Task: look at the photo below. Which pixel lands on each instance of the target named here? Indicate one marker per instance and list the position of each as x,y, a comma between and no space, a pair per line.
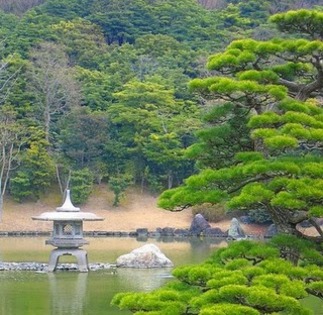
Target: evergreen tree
149,120
275,81
245,278
36,169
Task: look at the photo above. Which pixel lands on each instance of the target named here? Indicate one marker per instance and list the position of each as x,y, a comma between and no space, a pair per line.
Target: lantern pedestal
80,254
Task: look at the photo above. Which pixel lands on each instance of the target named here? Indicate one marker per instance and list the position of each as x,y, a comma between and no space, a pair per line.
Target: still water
72,293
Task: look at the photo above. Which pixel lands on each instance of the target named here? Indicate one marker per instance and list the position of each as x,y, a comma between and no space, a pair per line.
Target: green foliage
8,22
273,81
252,252
31,29
83,135
272,174
259,283
82,41
127,20
35,173
228,309
118,184
148,120
20,187
127,63
97,88
81,184
301,21
218,143
301,250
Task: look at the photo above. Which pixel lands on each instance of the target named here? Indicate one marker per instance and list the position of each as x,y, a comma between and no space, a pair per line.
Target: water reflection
108,249
143,279
72,293
185,250
68,293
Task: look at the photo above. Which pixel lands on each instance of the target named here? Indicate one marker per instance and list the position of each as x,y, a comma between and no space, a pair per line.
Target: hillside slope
137,210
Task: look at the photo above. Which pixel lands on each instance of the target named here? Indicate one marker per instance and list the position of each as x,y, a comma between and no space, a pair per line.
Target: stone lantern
67,233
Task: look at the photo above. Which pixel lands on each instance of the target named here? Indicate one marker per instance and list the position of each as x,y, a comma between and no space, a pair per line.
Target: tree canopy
278,84
245,278
122,68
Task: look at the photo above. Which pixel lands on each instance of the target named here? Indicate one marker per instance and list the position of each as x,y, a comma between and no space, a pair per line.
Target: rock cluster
199,227
43,267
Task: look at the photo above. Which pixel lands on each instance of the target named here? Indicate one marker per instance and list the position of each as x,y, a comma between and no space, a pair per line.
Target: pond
72,293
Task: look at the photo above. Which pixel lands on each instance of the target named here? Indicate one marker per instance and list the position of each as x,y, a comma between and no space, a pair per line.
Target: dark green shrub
81,184
35,173
118,184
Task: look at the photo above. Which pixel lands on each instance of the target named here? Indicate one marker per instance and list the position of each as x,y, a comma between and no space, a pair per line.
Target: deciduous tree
53,85
11,139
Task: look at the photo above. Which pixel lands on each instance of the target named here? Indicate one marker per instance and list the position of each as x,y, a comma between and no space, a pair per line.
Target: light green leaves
302,21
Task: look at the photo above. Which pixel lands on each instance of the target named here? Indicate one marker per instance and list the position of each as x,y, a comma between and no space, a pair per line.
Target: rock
147,256
167,231
198,225
142,232
308,224
214,232
42,267
271,231
181,232
235,230
305,224
142,235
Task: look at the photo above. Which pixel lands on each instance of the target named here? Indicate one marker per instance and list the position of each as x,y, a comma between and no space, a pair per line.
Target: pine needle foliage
245,278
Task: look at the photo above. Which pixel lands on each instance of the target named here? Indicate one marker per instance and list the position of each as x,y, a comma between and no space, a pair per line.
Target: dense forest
208,102
98,90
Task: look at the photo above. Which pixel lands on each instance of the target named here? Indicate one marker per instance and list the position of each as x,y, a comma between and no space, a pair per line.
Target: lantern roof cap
67,205
67,212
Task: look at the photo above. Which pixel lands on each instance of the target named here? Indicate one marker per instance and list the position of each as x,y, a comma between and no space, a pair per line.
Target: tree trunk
170,179
47,122
142,185
59,179
1,205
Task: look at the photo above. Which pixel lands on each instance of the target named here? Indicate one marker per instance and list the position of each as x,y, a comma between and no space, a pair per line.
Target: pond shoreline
43,267
139,233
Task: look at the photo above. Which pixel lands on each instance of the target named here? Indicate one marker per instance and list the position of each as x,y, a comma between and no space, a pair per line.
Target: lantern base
80,254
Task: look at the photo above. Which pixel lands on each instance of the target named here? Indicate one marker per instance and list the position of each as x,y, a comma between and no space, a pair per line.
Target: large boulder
147,256
198,225
235,230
